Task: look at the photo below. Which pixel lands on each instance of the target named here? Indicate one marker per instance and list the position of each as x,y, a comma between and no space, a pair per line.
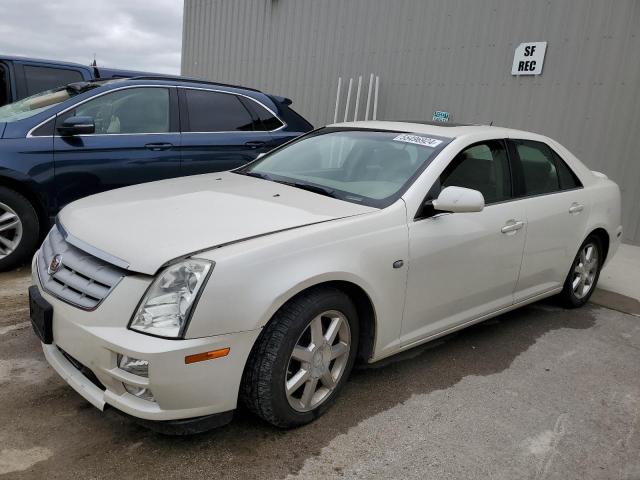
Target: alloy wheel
10,230
318,361
585,271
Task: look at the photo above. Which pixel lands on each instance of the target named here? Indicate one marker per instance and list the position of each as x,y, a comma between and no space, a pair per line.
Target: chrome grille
81,279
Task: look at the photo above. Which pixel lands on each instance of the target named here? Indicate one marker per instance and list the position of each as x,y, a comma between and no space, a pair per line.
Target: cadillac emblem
56,263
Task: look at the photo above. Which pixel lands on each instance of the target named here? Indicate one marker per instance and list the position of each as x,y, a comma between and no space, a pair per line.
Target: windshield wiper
315,189
263,176
303,186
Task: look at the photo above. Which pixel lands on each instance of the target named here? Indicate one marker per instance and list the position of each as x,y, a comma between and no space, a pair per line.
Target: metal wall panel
452,55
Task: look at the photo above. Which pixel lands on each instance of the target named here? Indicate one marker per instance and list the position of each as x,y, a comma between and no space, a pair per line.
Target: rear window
263,118
541,170
216,112
39,79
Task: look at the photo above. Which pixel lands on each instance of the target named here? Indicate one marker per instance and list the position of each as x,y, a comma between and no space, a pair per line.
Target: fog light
140,392
133,366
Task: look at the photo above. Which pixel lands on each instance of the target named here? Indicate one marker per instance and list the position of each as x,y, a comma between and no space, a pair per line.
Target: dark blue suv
87,137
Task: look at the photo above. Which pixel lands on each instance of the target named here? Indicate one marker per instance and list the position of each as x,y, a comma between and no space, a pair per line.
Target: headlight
166,307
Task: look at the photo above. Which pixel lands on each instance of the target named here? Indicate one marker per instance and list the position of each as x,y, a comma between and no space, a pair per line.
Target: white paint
528,58
14,460
25,370
545,445
11,328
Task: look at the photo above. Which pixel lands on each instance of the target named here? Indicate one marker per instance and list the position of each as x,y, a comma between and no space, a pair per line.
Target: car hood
147,225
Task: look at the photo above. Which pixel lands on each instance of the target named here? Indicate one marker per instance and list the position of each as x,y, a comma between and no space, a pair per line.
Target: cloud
137,34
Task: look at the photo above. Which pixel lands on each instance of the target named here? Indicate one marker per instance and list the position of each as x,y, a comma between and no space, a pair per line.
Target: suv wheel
19,229
302,358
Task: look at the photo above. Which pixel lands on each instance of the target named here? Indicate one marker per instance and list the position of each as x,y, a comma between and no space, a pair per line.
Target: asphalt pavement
538,393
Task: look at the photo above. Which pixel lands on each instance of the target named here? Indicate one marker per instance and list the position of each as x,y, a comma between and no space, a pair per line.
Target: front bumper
88,342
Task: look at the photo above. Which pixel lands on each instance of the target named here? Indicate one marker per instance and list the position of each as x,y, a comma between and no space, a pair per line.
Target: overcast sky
136,34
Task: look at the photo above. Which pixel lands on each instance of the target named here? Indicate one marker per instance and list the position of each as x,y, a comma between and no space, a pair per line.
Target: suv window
39,79
263,119
216,112
483,167
132,110
4,86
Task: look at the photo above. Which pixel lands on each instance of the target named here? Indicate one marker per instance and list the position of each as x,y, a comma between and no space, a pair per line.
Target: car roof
185,81
441,129
16,58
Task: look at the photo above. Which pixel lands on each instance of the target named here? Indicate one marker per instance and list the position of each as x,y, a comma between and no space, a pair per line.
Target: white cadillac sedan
173,301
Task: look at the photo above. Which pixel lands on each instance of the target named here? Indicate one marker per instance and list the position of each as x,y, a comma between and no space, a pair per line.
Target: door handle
575,208
255,144
156,147
512,226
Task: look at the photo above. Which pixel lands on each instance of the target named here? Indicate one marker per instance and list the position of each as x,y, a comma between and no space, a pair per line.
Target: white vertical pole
366,112
355,113
346,107
375,99
335,113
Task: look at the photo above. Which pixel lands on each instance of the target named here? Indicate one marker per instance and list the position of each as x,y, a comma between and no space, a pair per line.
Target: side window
568,179
537,167
264,120
132,110
39,79
216,112
483,167
4,85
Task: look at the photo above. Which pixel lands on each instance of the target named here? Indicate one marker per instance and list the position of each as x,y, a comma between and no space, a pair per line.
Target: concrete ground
538,393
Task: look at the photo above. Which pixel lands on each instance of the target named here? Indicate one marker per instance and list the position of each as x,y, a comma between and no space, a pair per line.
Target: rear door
220,131
557,209
136,140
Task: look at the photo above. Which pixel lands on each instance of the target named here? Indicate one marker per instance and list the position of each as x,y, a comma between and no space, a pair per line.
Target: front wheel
583,276
19,229
302,358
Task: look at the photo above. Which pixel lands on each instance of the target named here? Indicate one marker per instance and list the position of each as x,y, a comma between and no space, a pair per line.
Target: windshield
30,106
369,167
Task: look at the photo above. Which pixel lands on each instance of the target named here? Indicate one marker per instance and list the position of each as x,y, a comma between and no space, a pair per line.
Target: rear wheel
583,276
302,358
19,229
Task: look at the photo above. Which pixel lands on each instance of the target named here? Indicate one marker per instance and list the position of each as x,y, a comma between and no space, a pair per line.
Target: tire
19,231
272,363
584,272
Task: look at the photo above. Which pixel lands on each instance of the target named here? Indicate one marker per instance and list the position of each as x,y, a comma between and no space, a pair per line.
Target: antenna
94,63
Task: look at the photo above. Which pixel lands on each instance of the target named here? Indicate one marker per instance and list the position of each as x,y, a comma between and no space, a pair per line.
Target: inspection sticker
418,140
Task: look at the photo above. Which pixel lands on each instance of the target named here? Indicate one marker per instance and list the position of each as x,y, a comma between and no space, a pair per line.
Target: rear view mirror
81,125
459,200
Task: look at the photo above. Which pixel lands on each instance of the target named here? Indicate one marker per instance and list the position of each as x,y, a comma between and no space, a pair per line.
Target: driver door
136,140
465,265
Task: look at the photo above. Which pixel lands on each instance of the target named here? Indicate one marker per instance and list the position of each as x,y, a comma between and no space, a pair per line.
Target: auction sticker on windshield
418,140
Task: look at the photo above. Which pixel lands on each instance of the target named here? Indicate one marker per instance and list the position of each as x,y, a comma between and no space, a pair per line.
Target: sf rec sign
528,58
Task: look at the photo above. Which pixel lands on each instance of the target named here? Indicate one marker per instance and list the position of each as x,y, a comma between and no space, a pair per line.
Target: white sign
418,140
440,116
529,58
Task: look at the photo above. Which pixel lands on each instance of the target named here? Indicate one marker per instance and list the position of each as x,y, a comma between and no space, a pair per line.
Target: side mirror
459,200
81,125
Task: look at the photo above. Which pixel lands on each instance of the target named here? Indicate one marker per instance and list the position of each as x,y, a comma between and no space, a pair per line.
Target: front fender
253,279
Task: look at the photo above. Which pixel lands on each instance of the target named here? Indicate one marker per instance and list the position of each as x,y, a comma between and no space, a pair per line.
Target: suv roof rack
192,80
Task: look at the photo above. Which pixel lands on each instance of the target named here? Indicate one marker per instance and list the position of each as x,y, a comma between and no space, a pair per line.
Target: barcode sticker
418,140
